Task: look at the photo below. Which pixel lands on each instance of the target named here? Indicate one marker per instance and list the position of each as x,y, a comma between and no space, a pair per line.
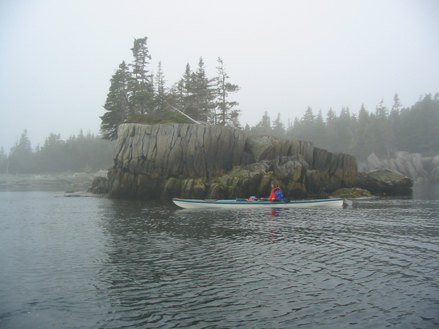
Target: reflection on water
90,262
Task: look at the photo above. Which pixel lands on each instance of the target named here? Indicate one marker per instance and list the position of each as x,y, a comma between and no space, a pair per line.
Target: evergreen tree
141,84
224,112
52,156
418,127
393,121
117,105
296,129
3,161
308,121
319,131
278,128
344,133
331,131
396,106
361,143
263,127
381,133
161,95
203,93
289,131
186,90
21,156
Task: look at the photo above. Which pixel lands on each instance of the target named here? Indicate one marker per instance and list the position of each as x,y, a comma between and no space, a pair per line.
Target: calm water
96,263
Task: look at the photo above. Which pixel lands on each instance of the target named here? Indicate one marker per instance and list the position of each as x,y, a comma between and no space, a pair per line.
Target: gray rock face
385,182
168,150
184,160
412,165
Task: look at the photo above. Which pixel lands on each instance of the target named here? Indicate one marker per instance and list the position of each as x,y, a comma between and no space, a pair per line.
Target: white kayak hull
234,204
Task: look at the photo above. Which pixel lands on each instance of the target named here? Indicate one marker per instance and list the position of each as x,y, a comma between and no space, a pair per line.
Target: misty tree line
85,152
135,91
383,132
412,129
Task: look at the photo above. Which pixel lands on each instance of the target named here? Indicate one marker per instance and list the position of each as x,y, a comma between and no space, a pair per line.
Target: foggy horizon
57,58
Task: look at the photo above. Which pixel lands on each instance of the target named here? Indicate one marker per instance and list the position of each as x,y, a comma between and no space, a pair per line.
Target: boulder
259,147
385,182
354,192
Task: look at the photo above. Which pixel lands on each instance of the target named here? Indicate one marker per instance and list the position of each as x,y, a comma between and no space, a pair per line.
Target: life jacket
273,194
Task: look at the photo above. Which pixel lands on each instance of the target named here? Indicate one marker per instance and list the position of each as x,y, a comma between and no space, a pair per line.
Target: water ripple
110,264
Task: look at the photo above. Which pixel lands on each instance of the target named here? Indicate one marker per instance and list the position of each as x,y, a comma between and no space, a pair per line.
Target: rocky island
217,162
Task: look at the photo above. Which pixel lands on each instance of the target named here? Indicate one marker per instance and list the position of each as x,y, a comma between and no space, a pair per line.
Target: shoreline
49,182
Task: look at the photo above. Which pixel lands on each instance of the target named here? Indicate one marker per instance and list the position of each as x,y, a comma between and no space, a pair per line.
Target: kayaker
276,193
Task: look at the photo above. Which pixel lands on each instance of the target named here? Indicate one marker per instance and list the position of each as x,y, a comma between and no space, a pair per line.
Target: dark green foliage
194,94
118,105
132,95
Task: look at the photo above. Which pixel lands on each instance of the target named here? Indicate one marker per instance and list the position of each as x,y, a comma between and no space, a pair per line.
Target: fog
57,57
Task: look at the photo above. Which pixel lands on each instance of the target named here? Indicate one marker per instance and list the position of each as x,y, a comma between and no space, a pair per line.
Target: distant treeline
76,154
414,129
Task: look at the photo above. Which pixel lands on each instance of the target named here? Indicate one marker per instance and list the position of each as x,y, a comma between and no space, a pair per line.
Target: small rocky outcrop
354,192
385,182
198,161
99,186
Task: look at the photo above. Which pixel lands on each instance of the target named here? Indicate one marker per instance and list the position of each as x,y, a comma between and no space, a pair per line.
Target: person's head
274,184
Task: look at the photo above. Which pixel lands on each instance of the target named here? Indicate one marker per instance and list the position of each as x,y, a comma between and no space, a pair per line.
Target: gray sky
57,57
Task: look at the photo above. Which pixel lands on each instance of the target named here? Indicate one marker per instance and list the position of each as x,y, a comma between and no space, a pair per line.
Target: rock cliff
198,161
413,165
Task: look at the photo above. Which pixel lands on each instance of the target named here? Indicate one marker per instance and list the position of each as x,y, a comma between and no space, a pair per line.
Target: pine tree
307,125
117,105
141,83
331,131
160,96
319,131
21,156
263,127
224,113
3,161
187,92
278,128
344,133
204,94
381,133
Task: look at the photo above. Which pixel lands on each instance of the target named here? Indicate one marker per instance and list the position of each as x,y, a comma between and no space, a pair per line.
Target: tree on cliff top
132,95
224,113
117,105
194,93
141,83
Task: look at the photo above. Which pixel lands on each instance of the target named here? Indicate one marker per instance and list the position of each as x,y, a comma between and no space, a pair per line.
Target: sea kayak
243,203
